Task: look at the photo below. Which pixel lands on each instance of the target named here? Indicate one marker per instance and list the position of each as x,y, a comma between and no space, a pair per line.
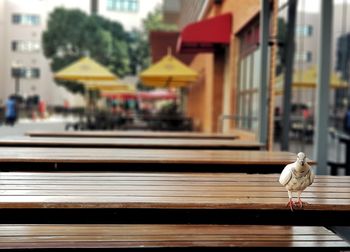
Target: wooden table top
168,143
98,236
121,190
143,156
132,134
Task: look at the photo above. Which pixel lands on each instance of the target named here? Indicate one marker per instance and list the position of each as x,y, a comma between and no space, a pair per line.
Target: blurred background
245,67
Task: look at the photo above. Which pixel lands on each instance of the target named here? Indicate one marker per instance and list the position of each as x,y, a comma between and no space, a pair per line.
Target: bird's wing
286,174
312,176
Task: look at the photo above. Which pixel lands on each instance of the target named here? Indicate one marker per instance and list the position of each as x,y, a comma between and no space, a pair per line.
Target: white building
129,13
22,23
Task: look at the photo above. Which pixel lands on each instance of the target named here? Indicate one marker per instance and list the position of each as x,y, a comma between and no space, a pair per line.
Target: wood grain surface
163,143
139,156
132,134
165,190
163,236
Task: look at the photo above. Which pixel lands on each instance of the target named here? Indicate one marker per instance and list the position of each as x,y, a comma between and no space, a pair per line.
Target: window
32,73
25,19
303,57
248,79
304,31
247,95
26,72
249,39
25,46
123,5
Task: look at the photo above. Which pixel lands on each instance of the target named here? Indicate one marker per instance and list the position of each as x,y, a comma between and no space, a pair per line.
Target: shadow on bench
90,236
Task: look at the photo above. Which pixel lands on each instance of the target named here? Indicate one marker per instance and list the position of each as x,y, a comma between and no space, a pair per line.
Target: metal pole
322,94
287,89
264,38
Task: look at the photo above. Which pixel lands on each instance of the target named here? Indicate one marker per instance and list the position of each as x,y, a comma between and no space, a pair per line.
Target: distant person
10,113
65,107
42,109
277,111
306,113
114,105
347,121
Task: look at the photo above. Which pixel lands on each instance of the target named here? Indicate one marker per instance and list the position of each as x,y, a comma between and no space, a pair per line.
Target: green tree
71,34
155,22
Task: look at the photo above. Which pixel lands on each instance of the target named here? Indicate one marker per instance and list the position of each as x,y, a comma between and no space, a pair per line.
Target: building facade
229,80
129,13
21,26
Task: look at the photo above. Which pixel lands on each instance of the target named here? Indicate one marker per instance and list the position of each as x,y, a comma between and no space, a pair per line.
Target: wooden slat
323,192
137,236
147,176
134,156
132,134
165,190
123,202
155,193
173,143
160,176
111,181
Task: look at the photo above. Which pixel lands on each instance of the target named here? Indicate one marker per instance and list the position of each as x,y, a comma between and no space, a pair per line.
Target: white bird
296,177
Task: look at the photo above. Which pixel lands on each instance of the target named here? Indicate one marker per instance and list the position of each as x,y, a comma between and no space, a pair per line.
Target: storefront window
248,79
248,82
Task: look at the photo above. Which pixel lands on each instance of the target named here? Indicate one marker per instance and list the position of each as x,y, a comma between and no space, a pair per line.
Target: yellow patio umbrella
308,79
118,89
168,72
85,69
126,89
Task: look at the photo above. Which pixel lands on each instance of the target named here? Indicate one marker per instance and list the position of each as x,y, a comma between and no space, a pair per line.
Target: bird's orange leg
300,203
290,203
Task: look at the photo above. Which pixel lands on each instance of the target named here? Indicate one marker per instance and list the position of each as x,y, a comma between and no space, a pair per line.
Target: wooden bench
139,143
166,210
132,134
111,159
151,197
98,236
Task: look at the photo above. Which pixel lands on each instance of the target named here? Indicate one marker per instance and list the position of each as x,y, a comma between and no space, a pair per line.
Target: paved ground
21,128
54,123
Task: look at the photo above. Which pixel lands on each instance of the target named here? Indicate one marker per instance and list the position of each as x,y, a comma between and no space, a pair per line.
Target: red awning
204,35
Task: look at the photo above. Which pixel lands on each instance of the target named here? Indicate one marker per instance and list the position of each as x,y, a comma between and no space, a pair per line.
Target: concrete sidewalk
52,123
